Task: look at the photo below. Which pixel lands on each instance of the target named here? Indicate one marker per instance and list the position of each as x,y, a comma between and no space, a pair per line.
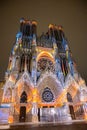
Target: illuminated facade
42,83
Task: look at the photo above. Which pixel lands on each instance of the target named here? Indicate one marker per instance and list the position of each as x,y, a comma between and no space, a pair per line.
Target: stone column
35,106
34,113
11,114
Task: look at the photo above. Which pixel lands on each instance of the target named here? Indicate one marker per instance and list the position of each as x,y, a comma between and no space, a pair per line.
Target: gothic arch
45,54
23,84
71,86
7,97
20,89
50,87
23,98
69,97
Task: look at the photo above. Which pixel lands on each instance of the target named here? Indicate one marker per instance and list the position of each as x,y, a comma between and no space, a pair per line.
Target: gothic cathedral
42,83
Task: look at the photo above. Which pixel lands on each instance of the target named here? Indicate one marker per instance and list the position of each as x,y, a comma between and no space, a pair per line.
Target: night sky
71,14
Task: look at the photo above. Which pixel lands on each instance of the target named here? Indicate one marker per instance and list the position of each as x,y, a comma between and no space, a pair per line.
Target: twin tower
41,82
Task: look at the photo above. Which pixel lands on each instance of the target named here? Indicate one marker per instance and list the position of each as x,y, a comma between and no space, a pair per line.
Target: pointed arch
23,97
69,97
71,86
45,54
24,84
49,87
7,97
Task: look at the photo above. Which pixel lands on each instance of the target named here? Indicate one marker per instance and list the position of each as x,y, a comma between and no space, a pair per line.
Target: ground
78,125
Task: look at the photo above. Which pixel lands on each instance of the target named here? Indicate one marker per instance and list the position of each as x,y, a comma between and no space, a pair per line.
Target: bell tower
42,83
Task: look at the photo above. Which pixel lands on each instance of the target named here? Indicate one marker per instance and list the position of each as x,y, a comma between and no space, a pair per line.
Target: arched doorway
46,113
49,88
23,99
69,99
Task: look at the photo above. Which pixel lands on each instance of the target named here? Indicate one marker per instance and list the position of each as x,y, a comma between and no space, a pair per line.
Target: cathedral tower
41,81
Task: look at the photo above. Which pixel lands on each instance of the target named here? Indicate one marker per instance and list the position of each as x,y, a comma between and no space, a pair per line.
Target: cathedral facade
41,82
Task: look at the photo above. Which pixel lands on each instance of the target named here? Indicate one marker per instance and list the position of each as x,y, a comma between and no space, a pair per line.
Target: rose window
45,64
47,95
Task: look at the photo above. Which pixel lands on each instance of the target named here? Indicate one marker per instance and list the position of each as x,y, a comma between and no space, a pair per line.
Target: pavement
75,125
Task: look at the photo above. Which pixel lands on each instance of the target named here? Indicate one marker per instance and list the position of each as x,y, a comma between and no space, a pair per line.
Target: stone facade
41,81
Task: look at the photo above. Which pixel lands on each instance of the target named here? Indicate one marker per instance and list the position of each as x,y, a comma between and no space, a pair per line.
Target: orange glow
73,90
81,82
10,119
3,99
29,97
56,27
26,21
61,98
28,108
58,103
6,100
85,116
34,22
13,99
45,54
17,108
40,105
35,95
60,27
51,26
35,91
12,78
77,107
19,89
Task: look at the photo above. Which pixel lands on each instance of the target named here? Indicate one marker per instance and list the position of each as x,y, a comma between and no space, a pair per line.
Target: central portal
23,100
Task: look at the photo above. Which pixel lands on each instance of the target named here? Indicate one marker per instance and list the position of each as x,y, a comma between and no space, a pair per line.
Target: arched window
23,98
22,62
69,97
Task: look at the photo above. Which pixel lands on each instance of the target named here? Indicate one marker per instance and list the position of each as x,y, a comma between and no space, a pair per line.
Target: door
69,98
23,99
22,116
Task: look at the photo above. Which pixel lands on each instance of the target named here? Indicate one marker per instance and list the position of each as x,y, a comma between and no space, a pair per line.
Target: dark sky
71,14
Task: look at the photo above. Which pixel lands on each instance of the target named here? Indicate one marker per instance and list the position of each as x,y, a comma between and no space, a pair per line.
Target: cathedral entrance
22,116
69,98
23,100
48,114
